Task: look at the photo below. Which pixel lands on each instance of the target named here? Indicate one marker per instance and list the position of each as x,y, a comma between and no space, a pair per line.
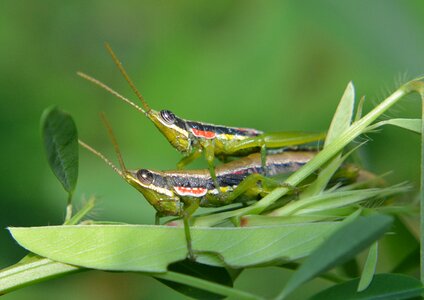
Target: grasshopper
193,138
181,192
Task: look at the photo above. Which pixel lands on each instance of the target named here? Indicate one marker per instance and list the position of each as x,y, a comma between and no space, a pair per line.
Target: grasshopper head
153,188
172,127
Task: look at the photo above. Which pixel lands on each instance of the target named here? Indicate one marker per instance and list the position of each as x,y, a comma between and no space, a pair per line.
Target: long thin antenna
127,77
110,90
114,142
98,154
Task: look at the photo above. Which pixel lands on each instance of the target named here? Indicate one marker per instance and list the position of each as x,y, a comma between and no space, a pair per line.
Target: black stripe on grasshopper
199,184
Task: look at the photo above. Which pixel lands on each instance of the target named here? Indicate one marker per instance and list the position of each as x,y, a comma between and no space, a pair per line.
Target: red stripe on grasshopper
195,192
203,134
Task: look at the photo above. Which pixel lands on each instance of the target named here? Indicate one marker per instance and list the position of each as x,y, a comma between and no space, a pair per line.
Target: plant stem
69,207
206,285
32,270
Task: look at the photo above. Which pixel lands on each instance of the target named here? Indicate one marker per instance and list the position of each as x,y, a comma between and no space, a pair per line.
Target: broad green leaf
32,269
152,248
369,268
413,125
209,273
61,145
343,245
383,286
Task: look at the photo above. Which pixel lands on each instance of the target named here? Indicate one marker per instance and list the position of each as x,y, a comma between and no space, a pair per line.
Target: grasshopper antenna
114,142
127,78
110,90
101,156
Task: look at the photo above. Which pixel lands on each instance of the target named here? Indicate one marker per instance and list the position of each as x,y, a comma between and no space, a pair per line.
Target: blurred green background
271,65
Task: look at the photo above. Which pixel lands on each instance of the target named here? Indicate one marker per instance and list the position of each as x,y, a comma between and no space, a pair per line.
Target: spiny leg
188,159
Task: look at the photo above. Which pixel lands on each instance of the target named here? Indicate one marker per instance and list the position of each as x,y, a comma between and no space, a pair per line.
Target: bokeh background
271,65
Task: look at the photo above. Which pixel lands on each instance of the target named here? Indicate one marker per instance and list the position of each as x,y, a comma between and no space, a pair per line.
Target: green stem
206,285
81,213
69,207
32,269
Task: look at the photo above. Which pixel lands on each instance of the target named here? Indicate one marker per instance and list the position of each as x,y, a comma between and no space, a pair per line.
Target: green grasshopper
193,138
181,192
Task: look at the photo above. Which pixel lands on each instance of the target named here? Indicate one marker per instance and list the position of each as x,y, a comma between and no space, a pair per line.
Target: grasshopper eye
145,176
167,116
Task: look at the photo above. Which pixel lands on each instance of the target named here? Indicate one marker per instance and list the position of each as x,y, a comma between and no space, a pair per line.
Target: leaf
336,199
150,248
61,144
413,125
209,273
369,268
383,286
343,116
343,245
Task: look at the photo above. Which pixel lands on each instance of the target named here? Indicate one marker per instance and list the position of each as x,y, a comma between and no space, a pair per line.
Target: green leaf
336,199
383,286
152,248
413,125
369,268
343,245
209,273
343,116
61,145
